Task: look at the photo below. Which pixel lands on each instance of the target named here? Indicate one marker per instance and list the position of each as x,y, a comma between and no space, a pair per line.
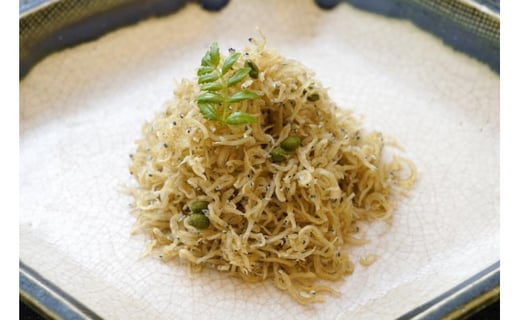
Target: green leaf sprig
215,83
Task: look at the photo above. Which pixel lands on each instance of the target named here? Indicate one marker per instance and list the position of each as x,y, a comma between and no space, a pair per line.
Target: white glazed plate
81,110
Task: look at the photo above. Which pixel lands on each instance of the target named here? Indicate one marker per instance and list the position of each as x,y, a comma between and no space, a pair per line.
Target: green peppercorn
278,154
199,221
254,69
198,206
291,143
313,97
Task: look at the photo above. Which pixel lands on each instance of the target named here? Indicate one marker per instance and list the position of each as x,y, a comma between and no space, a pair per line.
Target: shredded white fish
288,222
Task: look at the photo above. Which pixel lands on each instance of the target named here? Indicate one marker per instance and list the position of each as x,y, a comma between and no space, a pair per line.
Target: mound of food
252,170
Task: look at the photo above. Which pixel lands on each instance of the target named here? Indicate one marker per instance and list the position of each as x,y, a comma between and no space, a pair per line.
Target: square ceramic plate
82,108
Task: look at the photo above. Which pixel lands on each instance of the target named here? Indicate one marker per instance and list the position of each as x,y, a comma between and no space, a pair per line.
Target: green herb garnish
215,83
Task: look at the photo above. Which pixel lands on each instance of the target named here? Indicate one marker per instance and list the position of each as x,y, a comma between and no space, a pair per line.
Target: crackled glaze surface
82,108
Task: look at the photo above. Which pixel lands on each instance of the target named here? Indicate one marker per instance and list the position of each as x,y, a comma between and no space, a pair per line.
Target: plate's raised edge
47,26
488,8
463,300
467,26
478,37
27,7
48,299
